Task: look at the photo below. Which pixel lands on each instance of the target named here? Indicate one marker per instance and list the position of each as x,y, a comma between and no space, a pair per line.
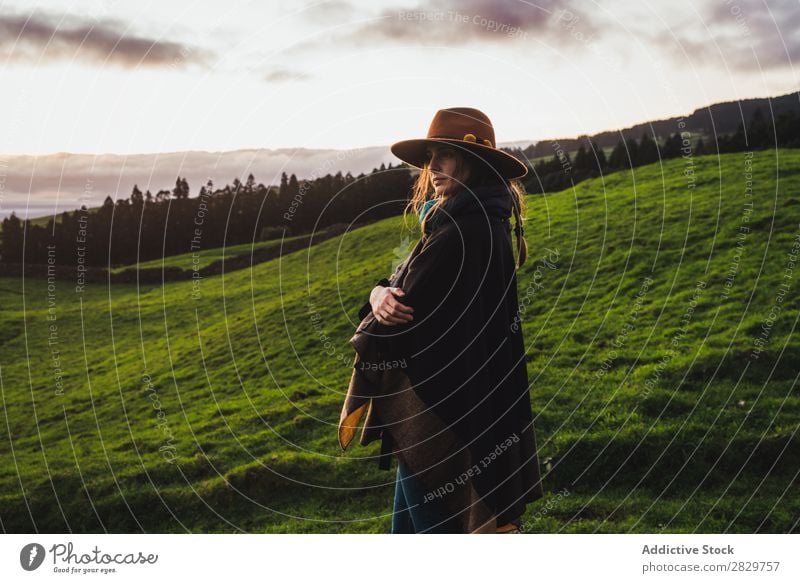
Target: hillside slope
642,303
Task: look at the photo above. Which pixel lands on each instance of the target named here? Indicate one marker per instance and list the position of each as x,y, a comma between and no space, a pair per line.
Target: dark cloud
743,35
460,22
39,38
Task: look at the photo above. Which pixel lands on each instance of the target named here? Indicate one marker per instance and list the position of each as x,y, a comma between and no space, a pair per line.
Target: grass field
657,411
205,257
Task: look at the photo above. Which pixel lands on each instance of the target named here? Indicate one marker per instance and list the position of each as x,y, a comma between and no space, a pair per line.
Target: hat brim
413,152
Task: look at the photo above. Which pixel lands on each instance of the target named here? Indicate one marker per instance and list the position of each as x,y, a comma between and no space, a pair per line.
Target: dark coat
448,392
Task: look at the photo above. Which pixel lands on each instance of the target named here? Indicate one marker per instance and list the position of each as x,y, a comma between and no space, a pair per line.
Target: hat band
467,138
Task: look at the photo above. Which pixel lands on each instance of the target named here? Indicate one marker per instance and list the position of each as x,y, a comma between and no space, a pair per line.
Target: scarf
494,199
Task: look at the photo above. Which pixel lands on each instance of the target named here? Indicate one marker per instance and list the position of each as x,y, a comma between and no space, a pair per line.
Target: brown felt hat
463,127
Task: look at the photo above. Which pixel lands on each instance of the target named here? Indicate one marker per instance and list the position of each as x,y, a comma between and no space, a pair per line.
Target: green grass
250,385
204,257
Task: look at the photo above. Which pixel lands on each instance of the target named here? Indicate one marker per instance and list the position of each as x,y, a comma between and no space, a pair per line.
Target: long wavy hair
479,174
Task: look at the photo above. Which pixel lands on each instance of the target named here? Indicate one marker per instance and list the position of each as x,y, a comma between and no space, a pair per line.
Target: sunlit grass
241,388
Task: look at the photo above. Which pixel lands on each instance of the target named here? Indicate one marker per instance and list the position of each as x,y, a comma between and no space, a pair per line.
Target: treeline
590,160
715,119
146,226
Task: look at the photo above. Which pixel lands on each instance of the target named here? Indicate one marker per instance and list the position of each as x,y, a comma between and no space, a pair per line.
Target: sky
107,76
98,77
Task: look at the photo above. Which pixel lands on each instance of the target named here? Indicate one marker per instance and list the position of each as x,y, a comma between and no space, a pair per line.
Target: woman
440,362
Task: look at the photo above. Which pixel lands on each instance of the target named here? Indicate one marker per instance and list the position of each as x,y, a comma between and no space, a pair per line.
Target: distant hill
718,118
39,186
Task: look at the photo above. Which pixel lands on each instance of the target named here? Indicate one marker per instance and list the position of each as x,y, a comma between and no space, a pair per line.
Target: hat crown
470,130
457,122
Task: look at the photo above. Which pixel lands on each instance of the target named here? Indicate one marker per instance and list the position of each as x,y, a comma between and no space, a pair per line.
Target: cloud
328,12
744,35
37,38
281,75
460,22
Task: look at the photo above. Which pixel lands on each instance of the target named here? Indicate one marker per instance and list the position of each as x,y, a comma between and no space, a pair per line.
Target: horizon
521,143
106,95
394,162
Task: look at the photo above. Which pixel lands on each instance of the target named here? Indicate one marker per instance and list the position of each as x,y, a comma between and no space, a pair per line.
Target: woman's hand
386,308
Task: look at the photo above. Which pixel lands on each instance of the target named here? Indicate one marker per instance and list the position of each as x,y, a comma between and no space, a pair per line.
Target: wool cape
448,393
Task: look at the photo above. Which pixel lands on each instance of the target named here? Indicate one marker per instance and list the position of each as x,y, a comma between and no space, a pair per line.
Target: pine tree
11,240
582,161
700,148
136,196
672,146
759,133
619,156
647,151
600,156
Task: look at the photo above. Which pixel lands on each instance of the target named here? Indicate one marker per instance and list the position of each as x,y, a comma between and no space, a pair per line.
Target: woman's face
442,161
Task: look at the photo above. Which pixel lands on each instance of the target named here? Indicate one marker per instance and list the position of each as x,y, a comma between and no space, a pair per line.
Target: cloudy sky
121,77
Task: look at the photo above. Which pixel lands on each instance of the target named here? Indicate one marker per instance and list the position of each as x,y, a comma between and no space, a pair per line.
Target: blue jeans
412,513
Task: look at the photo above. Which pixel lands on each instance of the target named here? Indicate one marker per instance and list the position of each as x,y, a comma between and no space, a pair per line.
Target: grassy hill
218,414
204,257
